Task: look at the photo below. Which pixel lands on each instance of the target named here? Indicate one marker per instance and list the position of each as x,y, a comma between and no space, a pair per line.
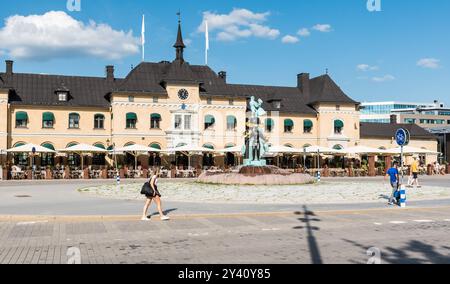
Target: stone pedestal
372,172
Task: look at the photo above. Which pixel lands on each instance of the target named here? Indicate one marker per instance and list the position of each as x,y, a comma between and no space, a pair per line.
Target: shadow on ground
413,252
307,219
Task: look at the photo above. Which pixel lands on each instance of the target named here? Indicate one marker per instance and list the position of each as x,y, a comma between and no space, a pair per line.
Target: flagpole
206,42
143,38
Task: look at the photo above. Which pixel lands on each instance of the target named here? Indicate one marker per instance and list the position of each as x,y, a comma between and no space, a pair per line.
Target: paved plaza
52,222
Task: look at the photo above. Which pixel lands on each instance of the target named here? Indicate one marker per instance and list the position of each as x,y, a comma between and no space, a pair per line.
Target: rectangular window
178,121
131,123
155,100
209,101
231,102
21,123
187,122
410,120
47,124
74,121
338,107
131,99
62,97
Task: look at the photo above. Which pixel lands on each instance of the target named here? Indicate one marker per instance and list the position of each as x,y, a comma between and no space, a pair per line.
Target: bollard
318,176
403,196
118,180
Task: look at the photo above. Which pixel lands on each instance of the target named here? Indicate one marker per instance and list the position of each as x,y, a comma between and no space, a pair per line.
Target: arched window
209,122
73,159
20,159
208,146
338,126
307,126
21,119
154,157
269,125
48,120
48,159
131,118
74,121
155,120
155,146
98,159
288,125
99,121
338,147
231,122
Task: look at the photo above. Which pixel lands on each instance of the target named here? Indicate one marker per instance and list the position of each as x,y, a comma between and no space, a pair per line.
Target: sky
399,53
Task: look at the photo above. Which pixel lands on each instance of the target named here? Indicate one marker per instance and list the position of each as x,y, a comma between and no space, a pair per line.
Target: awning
155,146
308,123
289,123
48,116
339,124
210,119
100,146
208,146
155,116
28,148
48,146
131,116
21,115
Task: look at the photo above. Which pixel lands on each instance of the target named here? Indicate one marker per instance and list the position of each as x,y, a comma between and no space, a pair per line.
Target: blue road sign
402,137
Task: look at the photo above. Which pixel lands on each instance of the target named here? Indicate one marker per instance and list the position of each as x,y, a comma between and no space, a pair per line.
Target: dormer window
62,96
276,104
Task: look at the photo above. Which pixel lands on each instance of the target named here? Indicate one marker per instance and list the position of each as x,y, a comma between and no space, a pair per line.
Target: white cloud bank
56,34
385,78
239,23
366,67
304,32
289,39
324,28
430,63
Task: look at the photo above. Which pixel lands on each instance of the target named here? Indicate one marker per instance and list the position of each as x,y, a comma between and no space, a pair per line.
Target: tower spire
179,44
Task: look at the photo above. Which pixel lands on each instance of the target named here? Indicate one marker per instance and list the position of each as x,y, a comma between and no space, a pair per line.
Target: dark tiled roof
387,130
324,89
34,89
151,78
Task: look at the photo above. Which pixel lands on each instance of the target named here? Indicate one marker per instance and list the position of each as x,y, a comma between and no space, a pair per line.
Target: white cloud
187,41
304,32
239,23
324,28
289,39
366,67
56,34
430,63
385,78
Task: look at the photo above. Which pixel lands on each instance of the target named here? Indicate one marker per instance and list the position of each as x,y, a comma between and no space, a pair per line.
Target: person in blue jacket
394,179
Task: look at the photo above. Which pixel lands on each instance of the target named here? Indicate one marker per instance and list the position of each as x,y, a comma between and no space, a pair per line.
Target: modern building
433,117
168,104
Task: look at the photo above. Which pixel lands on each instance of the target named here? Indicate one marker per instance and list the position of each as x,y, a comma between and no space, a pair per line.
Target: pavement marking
447,220
423,221
272,229
398,222
198,234
378,224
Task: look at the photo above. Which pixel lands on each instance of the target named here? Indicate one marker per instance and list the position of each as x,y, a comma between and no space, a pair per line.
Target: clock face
183,94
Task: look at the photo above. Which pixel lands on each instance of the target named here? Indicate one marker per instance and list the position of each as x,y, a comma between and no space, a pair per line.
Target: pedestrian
151,192
415,174
394,179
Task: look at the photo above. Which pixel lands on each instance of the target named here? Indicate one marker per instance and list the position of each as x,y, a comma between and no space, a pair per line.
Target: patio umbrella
284,150
358,150
81,149
317,150
136,150
189,150
235,149
407,150
28,148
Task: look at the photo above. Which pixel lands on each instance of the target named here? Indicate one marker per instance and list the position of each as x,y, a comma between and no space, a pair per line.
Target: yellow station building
168,104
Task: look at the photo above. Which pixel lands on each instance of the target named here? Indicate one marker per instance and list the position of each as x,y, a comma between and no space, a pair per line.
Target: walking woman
156,196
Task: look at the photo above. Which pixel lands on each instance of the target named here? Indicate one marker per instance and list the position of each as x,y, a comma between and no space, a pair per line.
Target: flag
143,37
207,42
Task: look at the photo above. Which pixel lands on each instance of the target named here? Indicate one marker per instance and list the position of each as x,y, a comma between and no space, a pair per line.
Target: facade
168,104
433,117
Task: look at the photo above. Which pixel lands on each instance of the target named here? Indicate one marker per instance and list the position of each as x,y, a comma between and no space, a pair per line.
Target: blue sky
401,53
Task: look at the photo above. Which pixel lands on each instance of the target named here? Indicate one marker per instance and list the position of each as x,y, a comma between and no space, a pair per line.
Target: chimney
223,75
110,73
393,119
9,67
303,83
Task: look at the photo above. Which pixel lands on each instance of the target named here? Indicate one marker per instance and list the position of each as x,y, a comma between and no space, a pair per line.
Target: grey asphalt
62,198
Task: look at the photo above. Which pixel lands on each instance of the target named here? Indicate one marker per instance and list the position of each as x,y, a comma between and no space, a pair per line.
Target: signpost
402,137
33,167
